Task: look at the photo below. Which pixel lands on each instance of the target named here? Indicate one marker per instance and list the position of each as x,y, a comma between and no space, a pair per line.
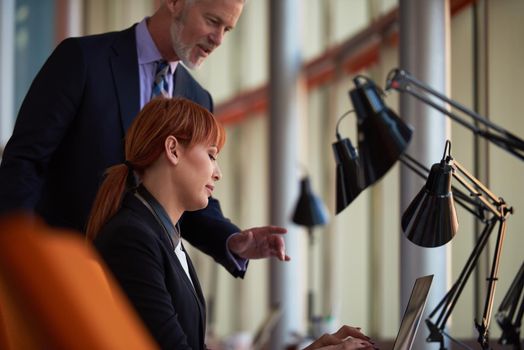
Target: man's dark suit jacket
139,254
71,127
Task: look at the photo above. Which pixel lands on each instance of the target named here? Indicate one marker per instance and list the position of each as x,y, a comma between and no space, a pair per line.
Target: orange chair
4,343
55,293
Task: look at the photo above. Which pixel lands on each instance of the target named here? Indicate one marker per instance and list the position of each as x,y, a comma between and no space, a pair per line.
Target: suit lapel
137,206
198,289
181,82
123,61
195,286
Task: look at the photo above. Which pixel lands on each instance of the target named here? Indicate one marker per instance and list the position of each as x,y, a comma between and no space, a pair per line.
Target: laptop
408,326
413,313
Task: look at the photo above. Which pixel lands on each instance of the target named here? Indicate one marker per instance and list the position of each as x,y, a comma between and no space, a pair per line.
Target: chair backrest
55,293
3,331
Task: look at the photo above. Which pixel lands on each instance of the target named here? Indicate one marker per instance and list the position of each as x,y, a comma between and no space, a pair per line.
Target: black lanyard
155,208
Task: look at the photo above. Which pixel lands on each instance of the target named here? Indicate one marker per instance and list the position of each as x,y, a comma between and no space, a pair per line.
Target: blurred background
357,269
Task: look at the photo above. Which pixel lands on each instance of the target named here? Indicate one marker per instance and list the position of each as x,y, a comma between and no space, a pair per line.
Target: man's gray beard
181,51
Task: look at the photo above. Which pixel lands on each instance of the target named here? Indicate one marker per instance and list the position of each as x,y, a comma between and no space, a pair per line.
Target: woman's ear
172,149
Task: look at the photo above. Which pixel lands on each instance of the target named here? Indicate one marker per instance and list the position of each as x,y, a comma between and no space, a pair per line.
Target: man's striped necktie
160,85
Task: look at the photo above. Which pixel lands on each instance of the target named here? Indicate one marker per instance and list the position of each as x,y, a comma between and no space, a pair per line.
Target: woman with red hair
171,150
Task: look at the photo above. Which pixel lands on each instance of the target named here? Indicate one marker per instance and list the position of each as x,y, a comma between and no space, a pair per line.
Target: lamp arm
500,211
402,81
495,205
448,303
414,165
483,326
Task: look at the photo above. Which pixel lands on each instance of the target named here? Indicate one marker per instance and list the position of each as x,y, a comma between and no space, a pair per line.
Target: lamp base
510,336
483,338
435,334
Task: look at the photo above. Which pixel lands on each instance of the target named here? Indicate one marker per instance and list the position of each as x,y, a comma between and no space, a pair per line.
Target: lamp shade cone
382,135
349,178
310,210
431,219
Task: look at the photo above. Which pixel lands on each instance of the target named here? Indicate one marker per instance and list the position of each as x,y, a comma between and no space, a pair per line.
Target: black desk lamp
309,212
350,177
382,138
403,81
419,227
434,205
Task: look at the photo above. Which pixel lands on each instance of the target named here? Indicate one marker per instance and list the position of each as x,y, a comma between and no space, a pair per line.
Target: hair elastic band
131,181
128,164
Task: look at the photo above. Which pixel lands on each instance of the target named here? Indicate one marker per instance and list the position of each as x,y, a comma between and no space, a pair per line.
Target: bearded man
72,122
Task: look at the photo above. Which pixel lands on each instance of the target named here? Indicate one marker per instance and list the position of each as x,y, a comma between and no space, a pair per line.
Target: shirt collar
146,48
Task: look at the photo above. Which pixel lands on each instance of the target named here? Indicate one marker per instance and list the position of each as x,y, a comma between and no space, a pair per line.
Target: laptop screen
413,313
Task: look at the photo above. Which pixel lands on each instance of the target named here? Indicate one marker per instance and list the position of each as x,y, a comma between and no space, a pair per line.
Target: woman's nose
217,173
